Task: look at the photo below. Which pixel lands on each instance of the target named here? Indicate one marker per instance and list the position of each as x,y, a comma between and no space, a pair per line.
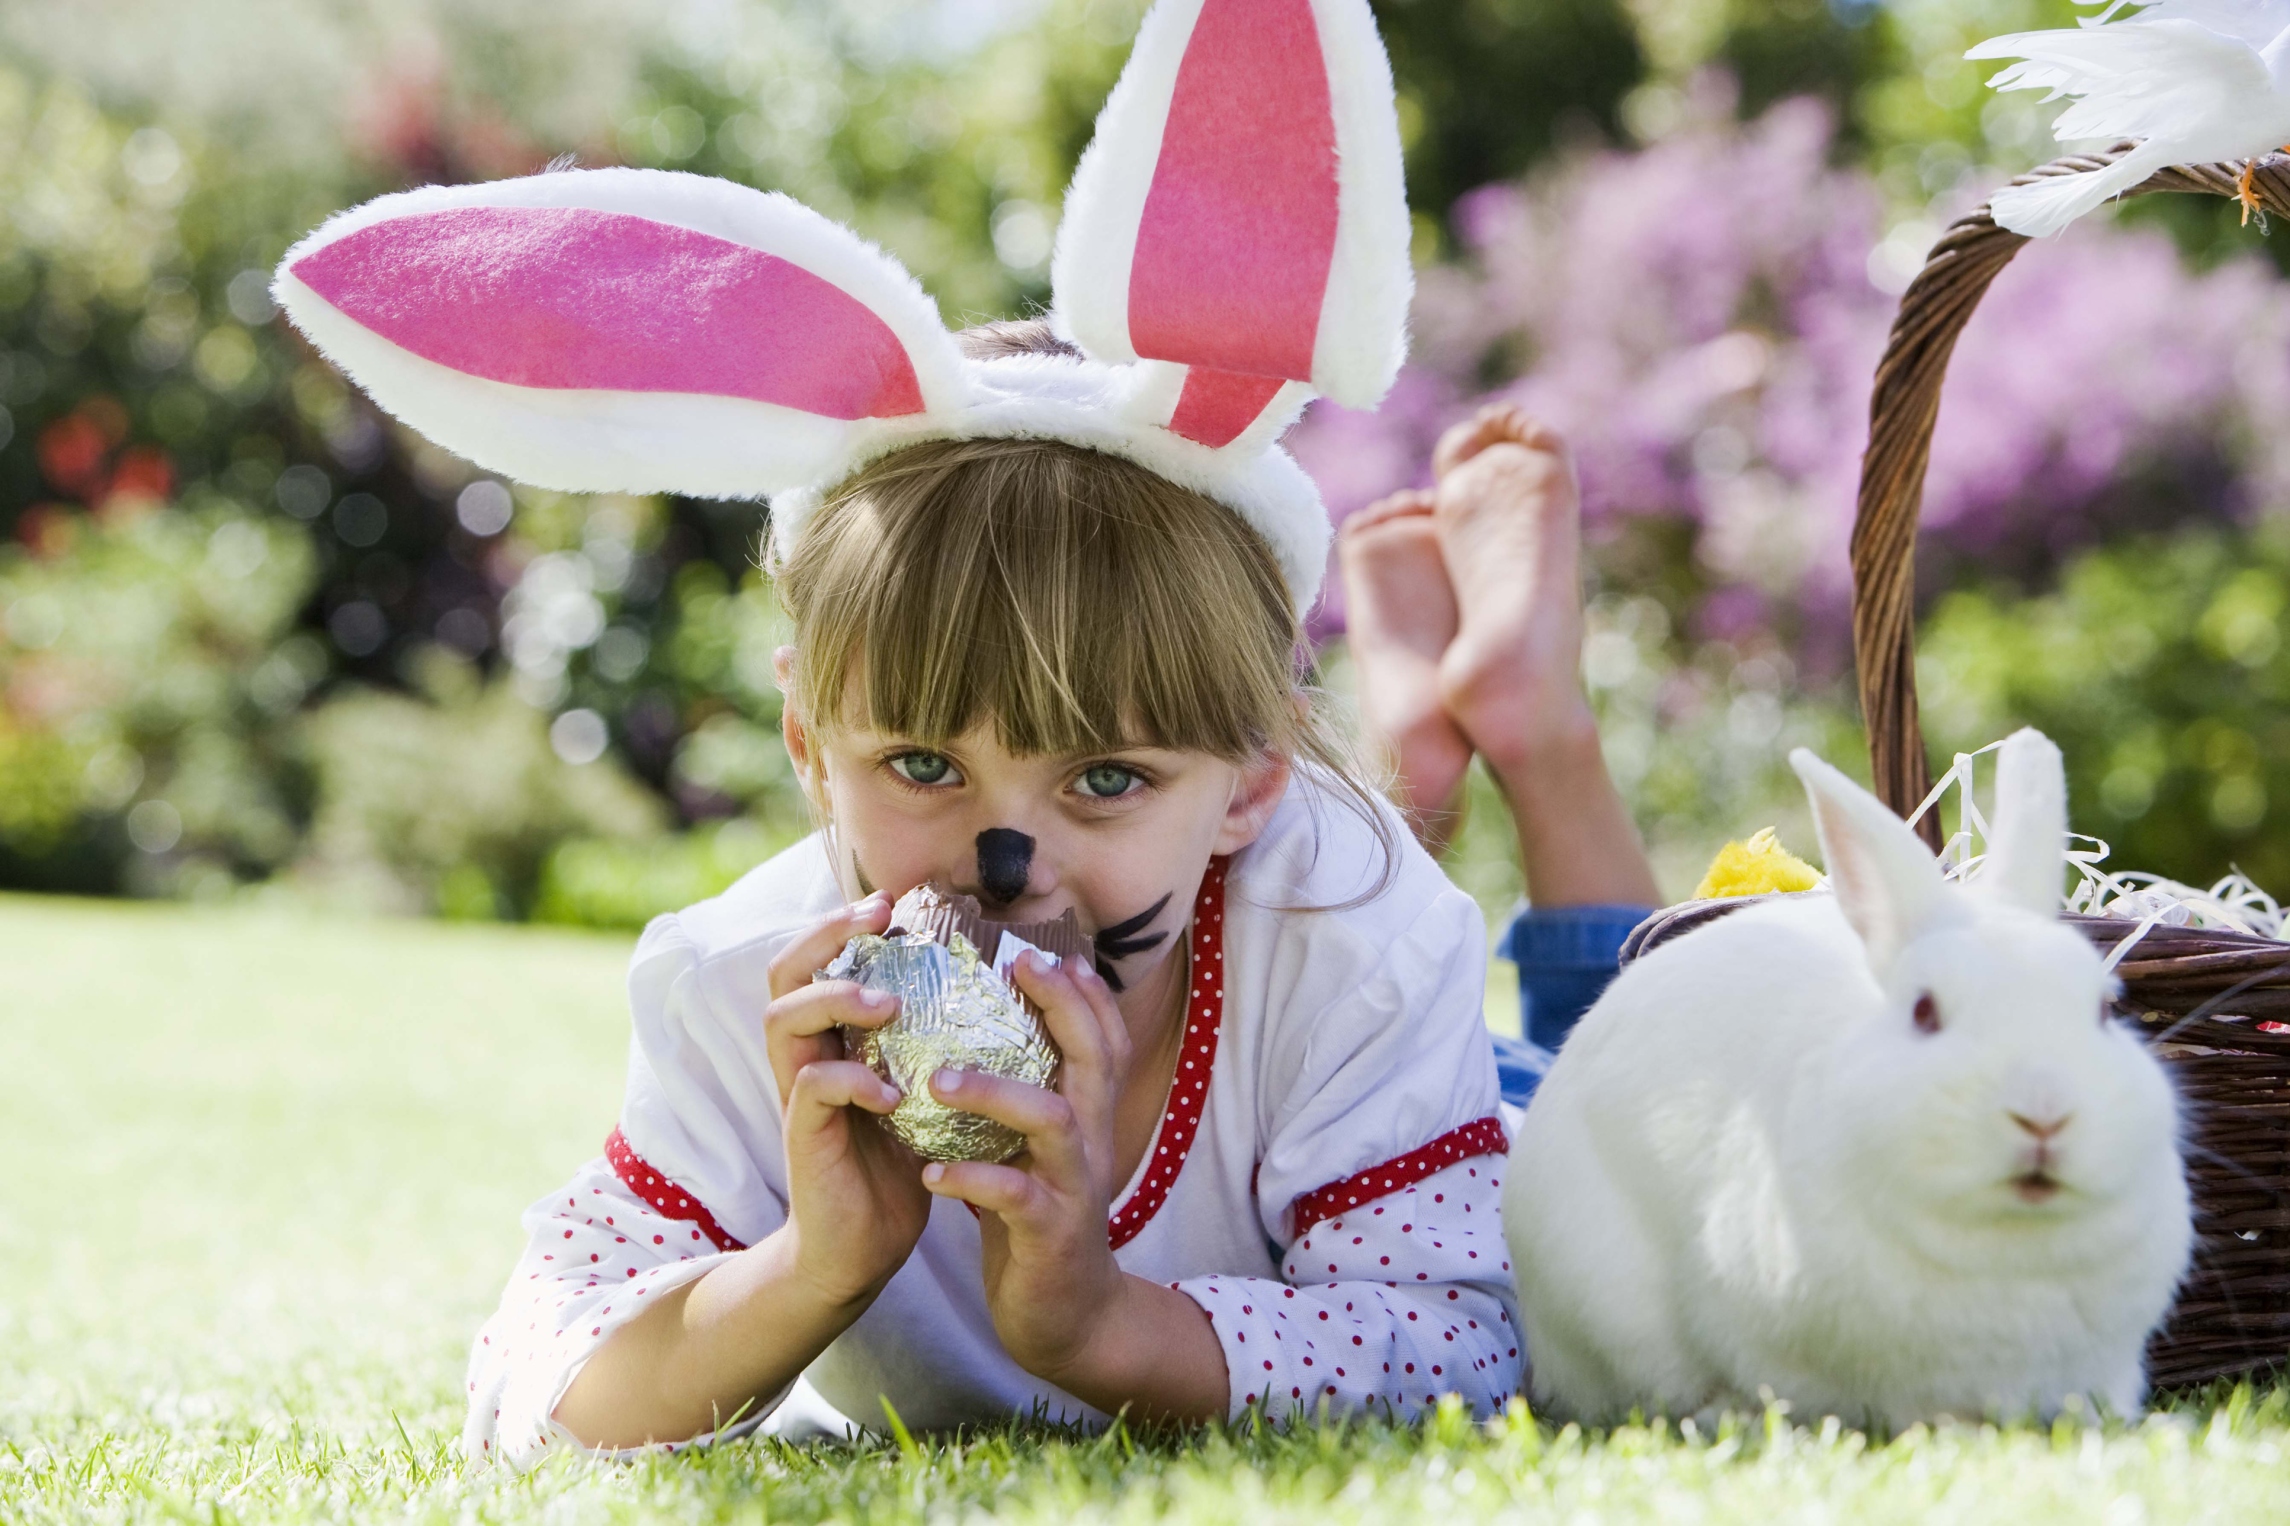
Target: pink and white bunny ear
623,330
1242,212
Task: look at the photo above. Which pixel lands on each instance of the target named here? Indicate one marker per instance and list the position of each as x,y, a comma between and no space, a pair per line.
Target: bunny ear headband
1234,243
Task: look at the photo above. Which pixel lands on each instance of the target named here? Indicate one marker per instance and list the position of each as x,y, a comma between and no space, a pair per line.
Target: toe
1517,482
1414,500
1523,428
1498,423
1465,440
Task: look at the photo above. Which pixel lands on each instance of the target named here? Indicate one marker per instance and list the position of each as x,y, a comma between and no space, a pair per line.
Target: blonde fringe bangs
1075,601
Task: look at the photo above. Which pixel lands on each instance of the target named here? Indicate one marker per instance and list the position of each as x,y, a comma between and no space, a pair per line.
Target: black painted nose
1005,859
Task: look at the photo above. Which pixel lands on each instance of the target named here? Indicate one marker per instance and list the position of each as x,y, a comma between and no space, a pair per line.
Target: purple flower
1699,319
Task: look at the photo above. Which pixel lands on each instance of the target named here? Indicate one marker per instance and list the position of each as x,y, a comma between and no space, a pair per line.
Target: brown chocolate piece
938,914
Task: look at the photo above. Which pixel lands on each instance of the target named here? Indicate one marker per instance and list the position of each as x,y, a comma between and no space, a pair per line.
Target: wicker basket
2199,996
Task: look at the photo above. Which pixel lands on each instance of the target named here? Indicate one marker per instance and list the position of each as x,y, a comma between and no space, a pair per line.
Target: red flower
71,451
144,478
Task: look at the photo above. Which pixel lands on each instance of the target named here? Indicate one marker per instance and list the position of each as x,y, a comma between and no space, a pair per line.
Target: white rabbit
1883,1152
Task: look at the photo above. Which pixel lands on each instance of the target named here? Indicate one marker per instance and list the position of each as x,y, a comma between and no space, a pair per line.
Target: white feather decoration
2193,81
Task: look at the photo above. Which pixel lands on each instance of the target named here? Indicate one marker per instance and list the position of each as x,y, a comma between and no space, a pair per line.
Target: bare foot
1400,612
1510,531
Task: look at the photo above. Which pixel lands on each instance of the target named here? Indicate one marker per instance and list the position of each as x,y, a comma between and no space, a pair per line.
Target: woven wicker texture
2198,996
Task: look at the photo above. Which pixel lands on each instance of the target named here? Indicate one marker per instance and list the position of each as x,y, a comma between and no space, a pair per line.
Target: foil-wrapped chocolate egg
955,1012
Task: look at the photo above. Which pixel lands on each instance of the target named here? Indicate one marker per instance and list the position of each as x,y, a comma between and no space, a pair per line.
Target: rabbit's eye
1927,1014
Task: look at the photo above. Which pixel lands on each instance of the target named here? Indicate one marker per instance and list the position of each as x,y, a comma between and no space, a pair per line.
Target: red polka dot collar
1189,1088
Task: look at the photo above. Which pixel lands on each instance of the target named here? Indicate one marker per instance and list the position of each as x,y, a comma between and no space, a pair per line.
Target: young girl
1046,583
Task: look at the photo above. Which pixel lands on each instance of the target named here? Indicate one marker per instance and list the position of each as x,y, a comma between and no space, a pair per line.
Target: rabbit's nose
2042,1128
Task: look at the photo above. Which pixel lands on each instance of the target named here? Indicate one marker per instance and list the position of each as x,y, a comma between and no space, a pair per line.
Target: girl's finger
797,1028
1053,1138
1099,995
1004,1191
828,1004
815,947
822,1090
1079,1010
1080,1013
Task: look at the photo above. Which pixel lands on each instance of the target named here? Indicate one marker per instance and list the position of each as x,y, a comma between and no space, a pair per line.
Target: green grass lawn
259,1180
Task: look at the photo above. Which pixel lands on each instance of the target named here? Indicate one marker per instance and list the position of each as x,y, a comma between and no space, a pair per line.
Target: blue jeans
1566,955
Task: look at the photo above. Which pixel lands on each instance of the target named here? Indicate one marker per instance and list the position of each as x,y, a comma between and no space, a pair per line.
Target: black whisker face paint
1125,938
859,872
1005,862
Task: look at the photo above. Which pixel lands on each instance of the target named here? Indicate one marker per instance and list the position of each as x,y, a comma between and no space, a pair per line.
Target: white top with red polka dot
1323,1182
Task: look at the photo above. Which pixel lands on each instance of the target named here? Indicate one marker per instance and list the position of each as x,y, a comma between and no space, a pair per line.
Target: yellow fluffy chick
1755,867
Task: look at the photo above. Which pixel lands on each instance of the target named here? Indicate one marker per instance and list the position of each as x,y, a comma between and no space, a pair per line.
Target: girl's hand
1051,1280
855,1198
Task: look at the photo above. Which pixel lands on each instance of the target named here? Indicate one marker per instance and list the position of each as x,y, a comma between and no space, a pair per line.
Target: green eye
923,767
1108,781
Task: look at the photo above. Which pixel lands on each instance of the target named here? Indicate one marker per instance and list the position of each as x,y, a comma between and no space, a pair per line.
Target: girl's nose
1005,861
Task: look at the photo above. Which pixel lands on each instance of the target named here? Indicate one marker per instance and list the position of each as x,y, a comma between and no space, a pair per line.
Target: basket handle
1902,411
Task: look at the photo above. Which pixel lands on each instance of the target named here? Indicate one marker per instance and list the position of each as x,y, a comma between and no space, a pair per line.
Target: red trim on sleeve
639,1177
1189,1088
1483,1137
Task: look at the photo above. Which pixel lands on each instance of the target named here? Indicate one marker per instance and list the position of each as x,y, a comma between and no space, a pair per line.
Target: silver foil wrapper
954,1013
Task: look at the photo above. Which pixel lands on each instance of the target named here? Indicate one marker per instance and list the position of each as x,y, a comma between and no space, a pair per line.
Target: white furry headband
1235,242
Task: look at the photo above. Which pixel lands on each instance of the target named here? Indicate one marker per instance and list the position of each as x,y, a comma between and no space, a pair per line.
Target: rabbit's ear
1887,882
1241,212
2028,837
622,330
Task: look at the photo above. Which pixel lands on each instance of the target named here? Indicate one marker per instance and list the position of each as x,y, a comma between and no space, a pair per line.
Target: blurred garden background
258,641
269,664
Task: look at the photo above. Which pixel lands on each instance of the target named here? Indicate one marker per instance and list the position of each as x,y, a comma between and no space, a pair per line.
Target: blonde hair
1073,599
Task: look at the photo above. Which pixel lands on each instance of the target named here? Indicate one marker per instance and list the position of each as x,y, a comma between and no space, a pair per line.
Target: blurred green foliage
452,797
146,667
594,882
252,632
1487,86
2161,669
